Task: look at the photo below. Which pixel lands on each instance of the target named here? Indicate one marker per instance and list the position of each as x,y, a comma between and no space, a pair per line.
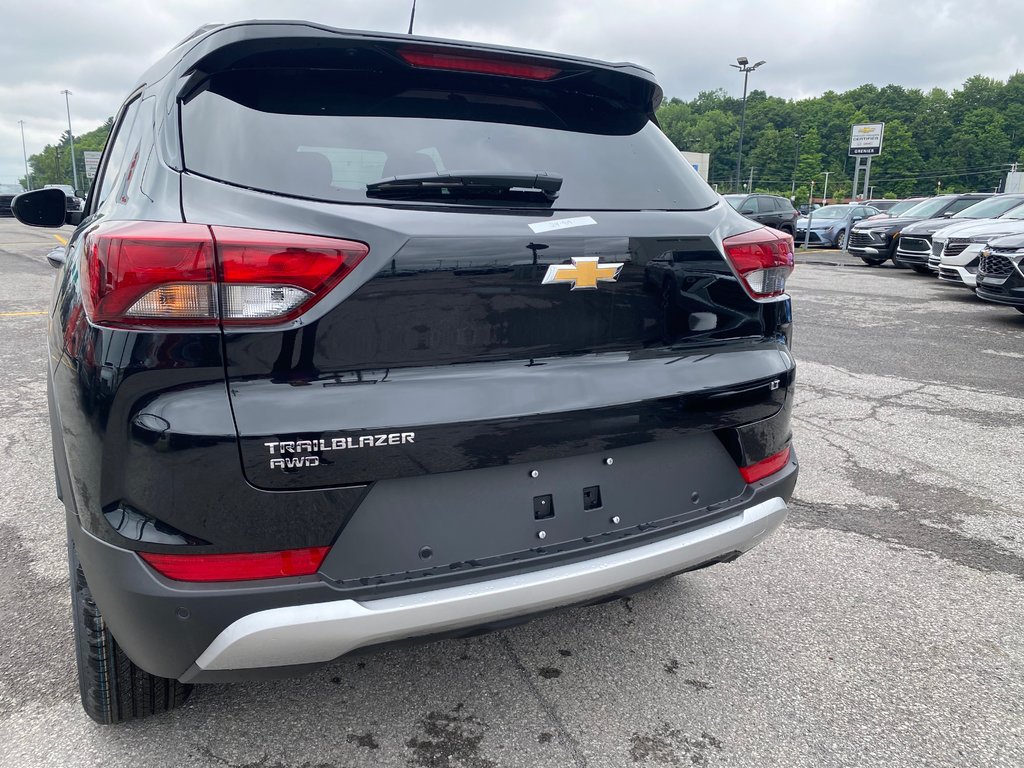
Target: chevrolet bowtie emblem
584,272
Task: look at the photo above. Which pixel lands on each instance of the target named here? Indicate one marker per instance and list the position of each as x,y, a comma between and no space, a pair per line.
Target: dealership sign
866,139
92,162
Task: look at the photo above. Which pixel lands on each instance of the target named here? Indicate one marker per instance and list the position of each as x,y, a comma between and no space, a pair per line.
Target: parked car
769,210
830,223
74,202
898,209
877,241
1001,272
7,193
803,209
915,247
330,399
964,231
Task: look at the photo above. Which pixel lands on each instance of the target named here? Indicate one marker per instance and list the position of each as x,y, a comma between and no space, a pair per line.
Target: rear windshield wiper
468,184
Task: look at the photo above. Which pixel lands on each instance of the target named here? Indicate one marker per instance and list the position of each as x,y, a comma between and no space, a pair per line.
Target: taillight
143,274
148,273
483,65
765,467
237,567
269,277
763,258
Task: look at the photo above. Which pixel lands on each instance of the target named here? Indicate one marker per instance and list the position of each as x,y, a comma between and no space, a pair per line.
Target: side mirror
41,208
57,257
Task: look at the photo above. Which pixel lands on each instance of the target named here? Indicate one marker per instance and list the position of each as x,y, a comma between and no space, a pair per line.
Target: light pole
796,162
71,138
24,154
742,64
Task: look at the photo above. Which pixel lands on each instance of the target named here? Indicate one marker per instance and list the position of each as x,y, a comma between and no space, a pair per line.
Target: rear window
325,135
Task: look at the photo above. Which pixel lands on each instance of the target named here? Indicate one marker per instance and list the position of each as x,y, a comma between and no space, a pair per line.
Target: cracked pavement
879,627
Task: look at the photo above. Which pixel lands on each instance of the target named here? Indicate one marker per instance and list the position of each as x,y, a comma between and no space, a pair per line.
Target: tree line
934,142
52,165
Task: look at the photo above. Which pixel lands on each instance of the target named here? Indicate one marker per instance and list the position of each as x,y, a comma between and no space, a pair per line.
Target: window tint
926,209
117,147
749,205
766,205
959,205
326,135
994,206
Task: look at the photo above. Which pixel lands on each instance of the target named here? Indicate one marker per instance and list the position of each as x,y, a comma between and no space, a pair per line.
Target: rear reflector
477,64
763,258
144,273
237,567
765,467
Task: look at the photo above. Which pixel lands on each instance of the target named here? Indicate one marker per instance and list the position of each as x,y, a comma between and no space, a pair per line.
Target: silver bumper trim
308,634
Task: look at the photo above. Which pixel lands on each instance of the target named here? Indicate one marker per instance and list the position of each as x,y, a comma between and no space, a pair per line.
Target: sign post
865,141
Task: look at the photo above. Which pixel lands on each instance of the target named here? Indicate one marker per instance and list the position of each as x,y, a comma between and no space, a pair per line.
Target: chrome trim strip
305,634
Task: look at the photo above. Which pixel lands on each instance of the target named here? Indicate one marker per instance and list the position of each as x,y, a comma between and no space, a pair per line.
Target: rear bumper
313,634
220,632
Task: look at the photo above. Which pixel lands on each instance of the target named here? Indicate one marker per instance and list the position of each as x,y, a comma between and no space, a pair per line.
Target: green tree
962,138
53,164
811,165
982,148
895,169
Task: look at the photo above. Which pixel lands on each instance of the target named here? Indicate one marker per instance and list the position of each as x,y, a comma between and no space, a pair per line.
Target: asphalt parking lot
880,627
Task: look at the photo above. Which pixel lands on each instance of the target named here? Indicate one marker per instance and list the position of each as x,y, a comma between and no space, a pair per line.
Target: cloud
97,50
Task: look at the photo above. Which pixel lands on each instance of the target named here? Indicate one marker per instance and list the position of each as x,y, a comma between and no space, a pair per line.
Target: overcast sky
97,49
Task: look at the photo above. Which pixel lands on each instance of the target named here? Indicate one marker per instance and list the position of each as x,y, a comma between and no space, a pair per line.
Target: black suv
7,194
355,342
769,210
1001,272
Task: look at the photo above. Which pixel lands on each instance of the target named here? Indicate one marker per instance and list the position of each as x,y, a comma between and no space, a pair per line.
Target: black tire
921,269
841,240
113,689
874,261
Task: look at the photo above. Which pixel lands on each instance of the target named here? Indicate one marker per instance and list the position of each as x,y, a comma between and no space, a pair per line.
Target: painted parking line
20,314
61,240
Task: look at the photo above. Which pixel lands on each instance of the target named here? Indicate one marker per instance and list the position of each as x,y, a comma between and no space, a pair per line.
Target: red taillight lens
123,262
765,467
268,277
237,567
477,64
142,274
763,258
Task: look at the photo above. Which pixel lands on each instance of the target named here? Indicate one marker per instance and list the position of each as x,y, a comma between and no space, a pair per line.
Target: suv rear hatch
543,279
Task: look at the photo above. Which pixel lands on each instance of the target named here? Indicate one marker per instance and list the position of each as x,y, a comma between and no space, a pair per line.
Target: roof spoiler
248,43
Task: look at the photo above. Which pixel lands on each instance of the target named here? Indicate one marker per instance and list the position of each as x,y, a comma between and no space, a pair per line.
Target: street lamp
71,138
24,154
743,66
796,164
